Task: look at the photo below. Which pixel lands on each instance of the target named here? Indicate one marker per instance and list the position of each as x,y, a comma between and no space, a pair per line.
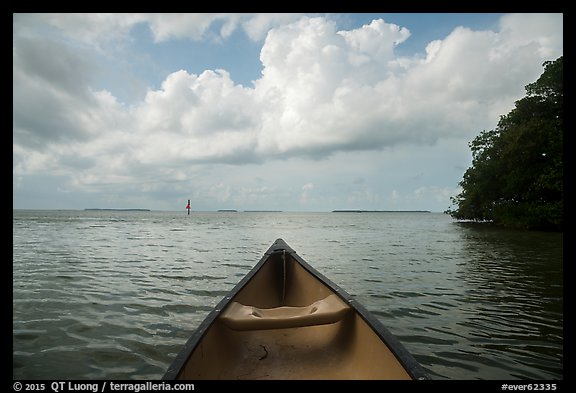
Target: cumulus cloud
322,90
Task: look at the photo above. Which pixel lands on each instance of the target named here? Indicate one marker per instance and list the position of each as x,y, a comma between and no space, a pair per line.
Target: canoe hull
285,320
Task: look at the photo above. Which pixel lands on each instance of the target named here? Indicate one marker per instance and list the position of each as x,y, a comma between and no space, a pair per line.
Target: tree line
516,176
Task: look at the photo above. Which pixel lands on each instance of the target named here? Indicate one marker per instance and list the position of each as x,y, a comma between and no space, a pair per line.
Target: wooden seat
325,311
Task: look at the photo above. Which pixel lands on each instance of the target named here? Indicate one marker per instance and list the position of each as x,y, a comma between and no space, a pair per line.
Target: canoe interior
346,349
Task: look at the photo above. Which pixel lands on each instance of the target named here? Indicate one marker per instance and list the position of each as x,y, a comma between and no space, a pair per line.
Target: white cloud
99,29
539,32
257,26
375,41
200,26
197,118
193,26
95,30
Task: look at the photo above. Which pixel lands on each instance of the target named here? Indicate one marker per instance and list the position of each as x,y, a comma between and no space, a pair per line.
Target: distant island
118,210
380,211
228,210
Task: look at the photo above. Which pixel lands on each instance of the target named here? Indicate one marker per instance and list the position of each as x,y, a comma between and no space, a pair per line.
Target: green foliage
516,177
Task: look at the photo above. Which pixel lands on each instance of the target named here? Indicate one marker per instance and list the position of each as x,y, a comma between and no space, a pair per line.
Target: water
114,295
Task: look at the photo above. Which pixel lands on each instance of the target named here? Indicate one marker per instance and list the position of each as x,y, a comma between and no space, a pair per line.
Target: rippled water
114,295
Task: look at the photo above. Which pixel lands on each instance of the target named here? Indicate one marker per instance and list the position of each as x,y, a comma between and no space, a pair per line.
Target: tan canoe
285,320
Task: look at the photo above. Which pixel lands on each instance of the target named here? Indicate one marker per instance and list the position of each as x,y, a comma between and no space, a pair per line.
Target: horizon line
146,210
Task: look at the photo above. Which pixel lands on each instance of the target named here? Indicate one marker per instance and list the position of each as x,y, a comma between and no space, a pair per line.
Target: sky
291,112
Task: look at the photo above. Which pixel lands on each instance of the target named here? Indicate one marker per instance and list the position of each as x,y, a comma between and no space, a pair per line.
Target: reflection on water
115,295
498,314
515,295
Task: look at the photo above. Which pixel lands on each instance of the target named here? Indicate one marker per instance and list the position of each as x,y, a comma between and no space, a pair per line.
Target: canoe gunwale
412,367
